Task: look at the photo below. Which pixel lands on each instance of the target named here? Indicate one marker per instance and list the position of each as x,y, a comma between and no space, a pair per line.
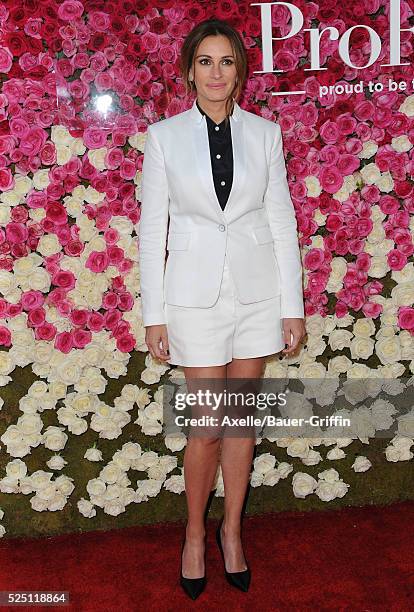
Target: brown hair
214,27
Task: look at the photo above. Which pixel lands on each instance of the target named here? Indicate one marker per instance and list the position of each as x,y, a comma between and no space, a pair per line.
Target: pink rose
46,331
70,10
126,301
5,336
314,259
406,317
96,321
36,317
79,317
372,310
6,179
126,343
81,337
94,137
97,261
16,233
64,342
113,158
331,179
64,279
32,299
396,259
329,132
6,59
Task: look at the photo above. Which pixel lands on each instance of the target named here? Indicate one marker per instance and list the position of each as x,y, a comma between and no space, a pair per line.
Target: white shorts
200,337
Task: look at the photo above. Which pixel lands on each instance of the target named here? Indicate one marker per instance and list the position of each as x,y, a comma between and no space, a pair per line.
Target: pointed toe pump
193,587
240,580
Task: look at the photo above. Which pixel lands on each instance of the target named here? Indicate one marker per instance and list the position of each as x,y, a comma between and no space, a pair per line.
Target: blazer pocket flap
263,234
178,241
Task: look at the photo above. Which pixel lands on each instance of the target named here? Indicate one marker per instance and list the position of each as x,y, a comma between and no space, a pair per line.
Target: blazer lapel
203,160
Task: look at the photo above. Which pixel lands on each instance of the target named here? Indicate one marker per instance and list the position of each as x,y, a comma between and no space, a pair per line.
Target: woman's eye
207,60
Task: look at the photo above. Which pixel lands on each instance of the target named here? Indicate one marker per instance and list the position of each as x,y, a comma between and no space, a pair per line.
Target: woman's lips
217,86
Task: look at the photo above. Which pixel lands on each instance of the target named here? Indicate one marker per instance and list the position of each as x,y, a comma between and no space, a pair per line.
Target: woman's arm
282,220
152,231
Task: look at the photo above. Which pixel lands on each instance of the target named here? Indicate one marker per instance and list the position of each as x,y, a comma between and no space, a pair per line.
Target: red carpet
348,559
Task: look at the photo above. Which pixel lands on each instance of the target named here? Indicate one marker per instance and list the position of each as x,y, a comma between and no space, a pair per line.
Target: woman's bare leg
201,458
236,461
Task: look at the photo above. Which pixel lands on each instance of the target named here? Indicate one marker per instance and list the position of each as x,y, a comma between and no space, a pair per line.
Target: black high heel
192,586
240,580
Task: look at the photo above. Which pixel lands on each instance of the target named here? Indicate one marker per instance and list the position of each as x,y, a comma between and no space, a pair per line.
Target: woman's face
215,69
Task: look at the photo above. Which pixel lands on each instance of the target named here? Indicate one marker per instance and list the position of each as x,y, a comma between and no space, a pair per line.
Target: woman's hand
156,339
293,332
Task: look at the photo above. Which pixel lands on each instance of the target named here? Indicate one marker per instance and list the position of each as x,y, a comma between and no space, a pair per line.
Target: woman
230,293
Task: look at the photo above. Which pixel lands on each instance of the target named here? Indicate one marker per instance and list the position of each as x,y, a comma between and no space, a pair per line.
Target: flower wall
71,332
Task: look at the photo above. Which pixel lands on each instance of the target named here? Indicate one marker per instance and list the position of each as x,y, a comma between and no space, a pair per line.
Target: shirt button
223,183
217,128
218,156
222,228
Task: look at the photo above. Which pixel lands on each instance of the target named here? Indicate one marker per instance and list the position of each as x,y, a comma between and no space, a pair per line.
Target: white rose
339,339
369,148
256,479
86,508
338,365
38,504
271,478
110,473
378,268
16,469
157,472
97,158
407,106
93,454
364,327
335,453
401,143
299,447
325,491
303,484
361,347
386,182
403,294
150,487
175,484
388,350
312,458
370,174
361,464
406,275
150,377
396,454
264,462
175,441
54,438
41,179
406,424
56,462
329,475
284,469
96,486
402,442
313,186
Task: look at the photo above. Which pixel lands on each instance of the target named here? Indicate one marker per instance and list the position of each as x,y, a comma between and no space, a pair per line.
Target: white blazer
257,229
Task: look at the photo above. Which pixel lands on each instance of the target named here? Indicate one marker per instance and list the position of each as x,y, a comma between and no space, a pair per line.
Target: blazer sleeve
152,231
282,220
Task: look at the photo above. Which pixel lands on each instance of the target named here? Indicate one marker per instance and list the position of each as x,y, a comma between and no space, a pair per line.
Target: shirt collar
198,114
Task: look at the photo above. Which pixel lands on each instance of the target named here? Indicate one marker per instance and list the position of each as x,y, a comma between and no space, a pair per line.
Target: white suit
257,231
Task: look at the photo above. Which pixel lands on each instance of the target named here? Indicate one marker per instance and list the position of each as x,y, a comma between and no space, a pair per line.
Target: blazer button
222,228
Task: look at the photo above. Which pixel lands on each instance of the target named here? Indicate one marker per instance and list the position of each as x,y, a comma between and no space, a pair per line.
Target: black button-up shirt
221,154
